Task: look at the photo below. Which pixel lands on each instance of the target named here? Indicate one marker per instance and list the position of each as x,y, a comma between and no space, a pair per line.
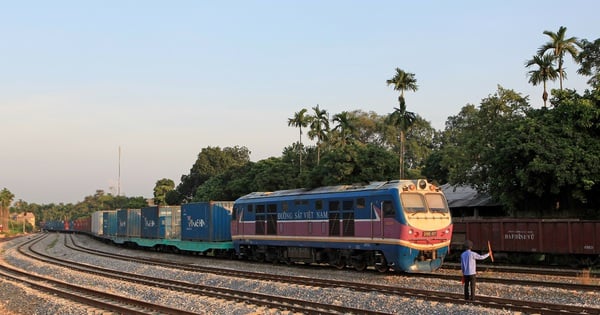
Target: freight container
170,222
122,222
206,221
97,223
55,225
149,222
109,223
129,222
133,222
81,225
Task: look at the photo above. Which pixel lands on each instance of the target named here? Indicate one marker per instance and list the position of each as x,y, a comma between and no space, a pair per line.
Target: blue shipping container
149,222
206,221
109,222
122,222
133,222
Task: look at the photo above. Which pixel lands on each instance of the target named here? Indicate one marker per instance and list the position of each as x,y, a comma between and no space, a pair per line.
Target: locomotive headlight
447,231
410,232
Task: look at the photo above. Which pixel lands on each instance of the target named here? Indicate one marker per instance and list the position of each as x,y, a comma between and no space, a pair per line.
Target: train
567,242
398,225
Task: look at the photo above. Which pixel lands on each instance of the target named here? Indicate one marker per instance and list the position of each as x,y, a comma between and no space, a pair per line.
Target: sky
160,80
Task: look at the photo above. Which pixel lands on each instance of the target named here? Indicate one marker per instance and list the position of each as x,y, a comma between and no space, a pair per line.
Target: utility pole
119,180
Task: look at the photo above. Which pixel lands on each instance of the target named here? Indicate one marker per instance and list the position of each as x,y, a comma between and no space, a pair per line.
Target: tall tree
319,127
162,187
344,127
401,118
545,71
211,161
299,121
6,198
589,59
558,46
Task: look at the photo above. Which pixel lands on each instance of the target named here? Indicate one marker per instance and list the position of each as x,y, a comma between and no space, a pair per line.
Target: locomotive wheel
259,257
339,264
360,265
381,264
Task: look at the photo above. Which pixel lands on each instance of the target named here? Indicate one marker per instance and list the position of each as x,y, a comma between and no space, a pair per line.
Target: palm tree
403,81
402,119
299,120
319,127
6,198
559,46
345,126
545,71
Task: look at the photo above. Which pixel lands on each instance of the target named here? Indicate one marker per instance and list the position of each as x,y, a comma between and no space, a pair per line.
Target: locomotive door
266,219
389,220
383,218
341,221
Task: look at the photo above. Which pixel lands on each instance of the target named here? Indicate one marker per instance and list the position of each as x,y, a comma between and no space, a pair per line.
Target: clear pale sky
164,79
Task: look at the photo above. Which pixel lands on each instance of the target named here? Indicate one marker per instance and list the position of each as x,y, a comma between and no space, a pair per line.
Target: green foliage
96,202
589,60
543,161
212,161
162,187
353,164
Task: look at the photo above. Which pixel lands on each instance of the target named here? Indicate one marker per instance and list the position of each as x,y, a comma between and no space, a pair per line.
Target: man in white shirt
469,269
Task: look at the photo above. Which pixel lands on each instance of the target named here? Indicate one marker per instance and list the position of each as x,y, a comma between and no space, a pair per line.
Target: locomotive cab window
436,203
388,209
413,203
348,204
260,209
334,205
319,204
360,203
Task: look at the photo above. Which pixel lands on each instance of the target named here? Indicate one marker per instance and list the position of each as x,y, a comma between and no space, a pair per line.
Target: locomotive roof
328,189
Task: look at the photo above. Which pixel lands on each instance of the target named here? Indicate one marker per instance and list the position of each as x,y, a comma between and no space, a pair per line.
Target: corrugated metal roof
466,196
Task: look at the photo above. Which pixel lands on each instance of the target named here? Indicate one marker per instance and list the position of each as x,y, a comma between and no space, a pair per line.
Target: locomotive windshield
413,203
417,203
436,203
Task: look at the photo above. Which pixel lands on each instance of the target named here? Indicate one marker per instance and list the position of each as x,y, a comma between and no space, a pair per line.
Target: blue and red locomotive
403,225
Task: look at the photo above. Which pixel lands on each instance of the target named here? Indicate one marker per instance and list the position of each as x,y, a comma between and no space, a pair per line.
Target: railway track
561,272
83,295
270,301
491,302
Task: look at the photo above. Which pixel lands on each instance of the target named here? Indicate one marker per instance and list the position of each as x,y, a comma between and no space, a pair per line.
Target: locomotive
400,225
